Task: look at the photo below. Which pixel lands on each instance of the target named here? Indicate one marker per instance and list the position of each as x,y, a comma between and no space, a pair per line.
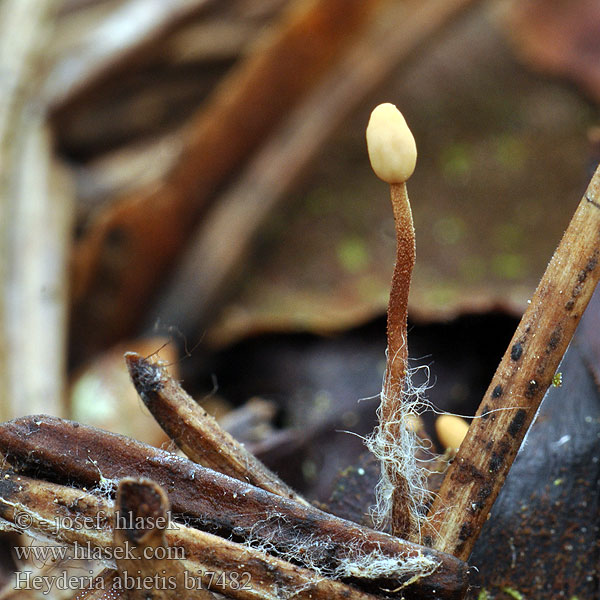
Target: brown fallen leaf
559,38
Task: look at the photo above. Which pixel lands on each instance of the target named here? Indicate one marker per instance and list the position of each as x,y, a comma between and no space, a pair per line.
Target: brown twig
247,105
509,406
67,451
210,562
108,46
142,550
197,433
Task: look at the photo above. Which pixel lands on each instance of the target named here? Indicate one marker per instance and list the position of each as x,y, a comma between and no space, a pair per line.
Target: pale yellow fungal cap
451,430
391,145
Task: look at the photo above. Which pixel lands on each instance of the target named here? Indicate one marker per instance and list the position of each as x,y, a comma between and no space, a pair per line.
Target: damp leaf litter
229,513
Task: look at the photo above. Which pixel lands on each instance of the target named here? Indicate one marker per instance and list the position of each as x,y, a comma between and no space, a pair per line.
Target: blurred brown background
191,176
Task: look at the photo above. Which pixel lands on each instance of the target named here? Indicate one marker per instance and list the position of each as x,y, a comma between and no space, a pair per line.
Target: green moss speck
507,265
472,268
449,230
353,254
507,236
510,152
441,294
456,161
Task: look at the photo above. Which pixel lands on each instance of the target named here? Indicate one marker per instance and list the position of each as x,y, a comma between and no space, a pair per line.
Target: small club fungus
451,431
391,145
401,494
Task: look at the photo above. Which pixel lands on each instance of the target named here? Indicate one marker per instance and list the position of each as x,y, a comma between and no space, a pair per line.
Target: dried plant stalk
36,284
261,575
142,550
511,402
195,431
66,451
404,521
24,29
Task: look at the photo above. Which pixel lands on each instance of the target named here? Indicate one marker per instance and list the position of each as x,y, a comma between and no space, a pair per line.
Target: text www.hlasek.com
41,555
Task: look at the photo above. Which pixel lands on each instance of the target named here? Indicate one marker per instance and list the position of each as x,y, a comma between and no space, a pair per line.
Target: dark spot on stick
484,492
475,473
495,462
592,263
465,532
146,376
532,389
517,423
554,340
569,305
486,411
467,472
516,351
482,495
7,488
497,392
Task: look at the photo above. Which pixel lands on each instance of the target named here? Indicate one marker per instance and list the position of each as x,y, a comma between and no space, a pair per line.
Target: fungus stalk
400,493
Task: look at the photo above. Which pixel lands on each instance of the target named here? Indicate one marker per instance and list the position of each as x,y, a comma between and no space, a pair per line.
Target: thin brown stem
509,406
398,305
391,426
